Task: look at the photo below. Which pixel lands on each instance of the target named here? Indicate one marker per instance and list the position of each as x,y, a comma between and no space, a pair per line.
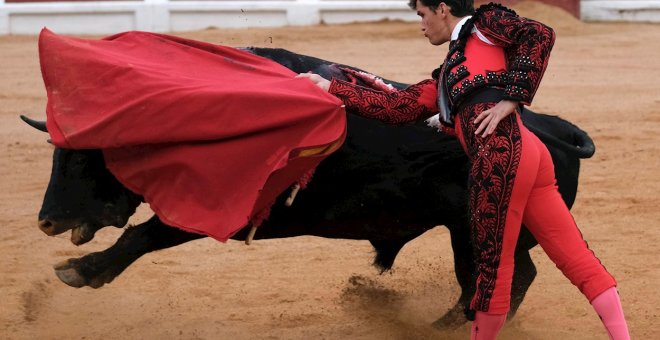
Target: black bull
387,184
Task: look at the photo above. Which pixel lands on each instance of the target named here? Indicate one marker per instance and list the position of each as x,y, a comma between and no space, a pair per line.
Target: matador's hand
316,79
491,117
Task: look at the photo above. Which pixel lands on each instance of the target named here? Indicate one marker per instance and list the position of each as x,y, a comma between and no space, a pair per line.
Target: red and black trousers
512,181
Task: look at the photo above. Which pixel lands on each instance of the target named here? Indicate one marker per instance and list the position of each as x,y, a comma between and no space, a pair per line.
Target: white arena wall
620,10
106,17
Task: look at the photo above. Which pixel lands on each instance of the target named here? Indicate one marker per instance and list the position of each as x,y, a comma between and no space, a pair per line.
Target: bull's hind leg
97,269
464,268
523,275
524,271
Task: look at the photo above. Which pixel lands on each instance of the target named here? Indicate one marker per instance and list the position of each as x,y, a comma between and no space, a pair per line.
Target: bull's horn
41,126
292,196
248,239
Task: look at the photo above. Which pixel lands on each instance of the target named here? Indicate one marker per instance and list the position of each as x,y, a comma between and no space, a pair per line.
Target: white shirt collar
457,28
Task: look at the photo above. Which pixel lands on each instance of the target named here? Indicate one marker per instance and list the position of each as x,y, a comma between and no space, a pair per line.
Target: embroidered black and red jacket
527,45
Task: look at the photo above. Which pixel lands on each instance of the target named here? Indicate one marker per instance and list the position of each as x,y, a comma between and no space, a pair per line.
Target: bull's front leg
97,269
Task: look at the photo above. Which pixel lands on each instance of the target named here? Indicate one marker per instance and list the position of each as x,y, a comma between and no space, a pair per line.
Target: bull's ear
41,126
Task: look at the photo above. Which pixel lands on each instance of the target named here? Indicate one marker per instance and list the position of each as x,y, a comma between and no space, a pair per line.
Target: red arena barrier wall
571,6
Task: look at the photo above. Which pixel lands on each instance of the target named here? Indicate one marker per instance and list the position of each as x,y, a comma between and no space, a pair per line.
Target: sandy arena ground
603,77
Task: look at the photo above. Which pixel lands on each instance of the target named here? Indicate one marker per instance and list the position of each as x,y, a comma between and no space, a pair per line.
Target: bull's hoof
454,318
67,273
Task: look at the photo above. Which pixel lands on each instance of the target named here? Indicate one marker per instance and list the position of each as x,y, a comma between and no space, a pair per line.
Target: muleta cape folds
209,135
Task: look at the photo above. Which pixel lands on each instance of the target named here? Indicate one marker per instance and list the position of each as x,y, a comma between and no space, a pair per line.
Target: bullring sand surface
603,77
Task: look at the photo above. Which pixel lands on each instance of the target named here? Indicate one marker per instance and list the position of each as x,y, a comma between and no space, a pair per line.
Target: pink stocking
608,307
486,326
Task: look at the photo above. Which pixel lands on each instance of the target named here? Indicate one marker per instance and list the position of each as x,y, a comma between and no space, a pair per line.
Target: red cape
208,134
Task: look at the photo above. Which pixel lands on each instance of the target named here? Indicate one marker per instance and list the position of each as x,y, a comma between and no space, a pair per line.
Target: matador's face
435,24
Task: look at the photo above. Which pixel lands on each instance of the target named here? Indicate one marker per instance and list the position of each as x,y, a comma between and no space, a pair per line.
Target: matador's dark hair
458,8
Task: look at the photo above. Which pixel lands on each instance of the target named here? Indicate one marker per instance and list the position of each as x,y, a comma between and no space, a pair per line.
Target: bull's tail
386,252
575,141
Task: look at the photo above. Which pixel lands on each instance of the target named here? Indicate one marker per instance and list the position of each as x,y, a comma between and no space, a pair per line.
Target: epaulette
492,5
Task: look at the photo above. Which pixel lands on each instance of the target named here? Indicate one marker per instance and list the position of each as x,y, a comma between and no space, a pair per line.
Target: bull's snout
50,228
80,232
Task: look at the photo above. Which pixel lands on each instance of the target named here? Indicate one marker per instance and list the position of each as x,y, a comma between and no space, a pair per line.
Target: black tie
443,99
